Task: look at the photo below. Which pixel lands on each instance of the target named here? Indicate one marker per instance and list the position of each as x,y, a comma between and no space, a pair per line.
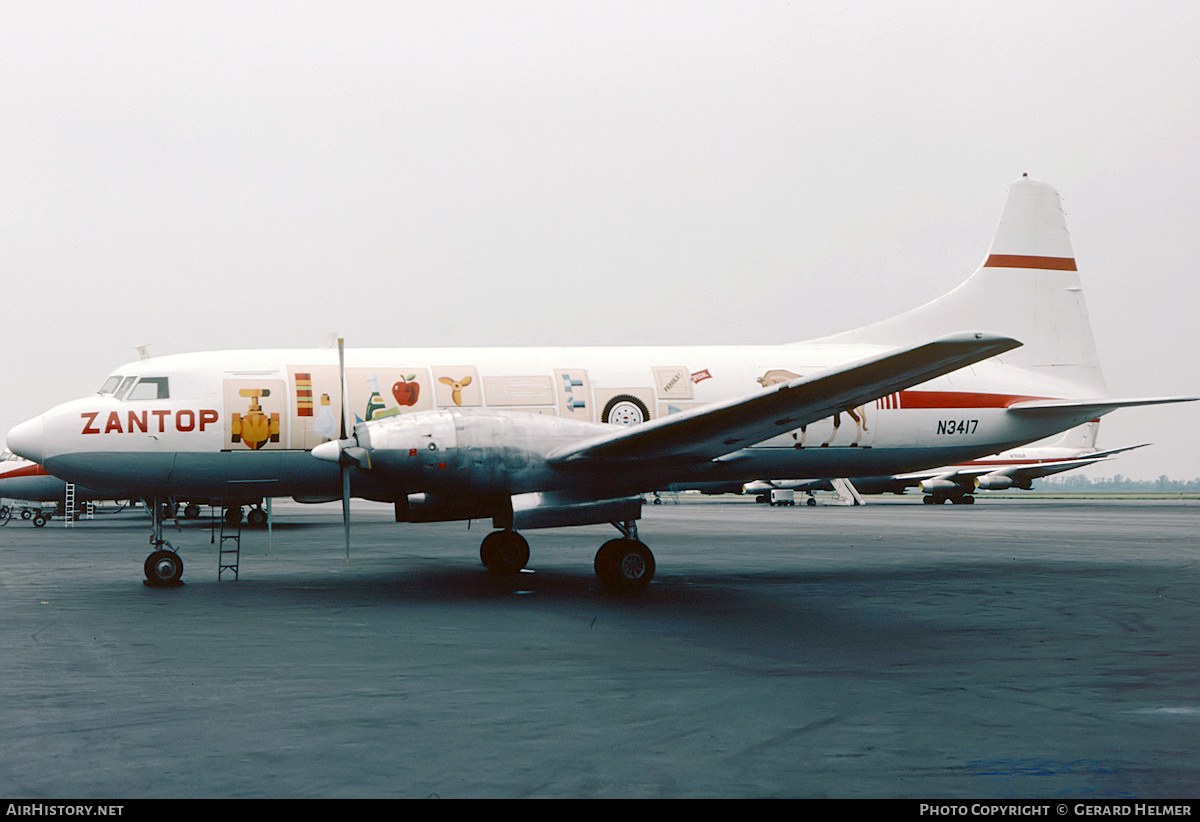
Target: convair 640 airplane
536,438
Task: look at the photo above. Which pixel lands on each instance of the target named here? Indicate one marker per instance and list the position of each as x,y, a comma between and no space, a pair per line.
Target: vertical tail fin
1027,288
1081,438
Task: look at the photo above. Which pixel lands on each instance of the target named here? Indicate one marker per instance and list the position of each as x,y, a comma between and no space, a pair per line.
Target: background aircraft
1017,468
527,438
24,481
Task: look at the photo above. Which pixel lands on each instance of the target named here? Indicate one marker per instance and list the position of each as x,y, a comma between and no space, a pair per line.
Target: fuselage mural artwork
302,411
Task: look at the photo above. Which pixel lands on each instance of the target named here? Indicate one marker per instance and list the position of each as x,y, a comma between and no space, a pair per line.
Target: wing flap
711,431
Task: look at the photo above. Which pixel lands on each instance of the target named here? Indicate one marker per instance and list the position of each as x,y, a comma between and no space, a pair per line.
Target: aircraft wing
1032,470
709,432
1112,451
1045,469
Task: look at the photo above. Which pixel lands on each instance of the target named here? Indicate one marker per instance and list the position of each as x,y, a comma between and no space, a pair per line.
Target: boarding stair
846,492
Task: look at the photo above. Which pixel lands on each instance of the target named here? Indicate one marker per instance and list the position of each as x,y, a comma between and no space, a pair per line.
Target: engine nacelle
461,453
994,482
938,484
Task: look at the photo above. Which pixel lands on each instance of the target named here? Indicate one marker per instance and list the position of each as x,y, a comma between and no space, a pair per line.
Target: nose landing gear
164,567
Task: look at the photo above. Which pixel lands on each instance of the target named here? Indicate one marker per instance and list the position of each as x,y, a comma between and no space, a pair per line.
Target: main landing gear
623,564
957,499
504,552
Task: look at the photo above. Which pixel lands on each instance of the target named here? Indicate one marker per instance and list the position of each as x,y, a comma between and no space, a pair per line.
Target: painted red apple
406,391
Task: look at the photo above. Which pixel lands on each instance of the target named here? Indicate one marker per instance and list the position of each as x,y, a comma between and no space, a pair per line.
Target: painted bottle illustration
375,403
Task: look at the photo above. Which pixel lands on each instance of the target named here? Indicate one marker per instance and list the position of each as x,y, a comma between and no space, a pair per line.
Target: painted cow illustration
778,375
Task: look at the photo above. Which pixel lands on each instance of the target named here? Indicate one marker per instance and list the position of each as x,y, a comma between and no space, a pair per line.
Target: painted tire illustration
625,410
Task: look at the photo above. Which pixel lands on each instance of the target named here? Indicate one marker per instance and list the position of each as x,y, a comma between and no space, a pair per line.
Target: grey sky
202,175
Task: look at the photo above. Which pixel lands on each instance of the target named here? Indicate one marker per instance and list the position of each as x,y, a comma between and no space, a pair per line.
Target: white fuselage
239,425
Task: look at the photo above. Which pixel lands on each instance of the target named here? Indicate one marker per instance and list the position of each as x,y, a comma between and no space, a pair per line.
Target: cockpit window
126,384
150,388
110,385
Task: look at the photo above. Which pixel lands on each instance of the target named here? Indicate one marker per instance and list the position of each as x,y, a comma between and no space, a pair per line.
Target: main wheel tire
504,552
624,565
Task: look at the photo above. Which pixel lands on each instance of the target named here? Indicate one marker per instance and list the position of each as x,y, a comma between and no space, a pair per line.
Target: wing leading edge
712,431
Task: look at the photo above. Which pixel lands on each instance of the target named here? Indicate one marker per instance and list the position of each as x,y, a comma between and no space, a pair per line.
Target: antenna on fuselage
143,350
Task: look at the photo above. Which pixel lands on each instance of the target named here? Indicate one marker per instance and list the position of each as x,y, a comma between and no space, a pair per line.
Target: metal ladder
229,558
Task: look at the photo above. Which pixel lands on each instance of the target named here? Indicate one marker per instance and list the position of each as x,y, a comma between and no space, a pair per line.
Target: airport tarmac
1009,649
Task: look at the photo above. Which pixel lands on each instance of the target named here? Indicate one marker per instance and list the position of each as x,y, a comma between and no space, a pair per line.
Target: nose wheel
163,567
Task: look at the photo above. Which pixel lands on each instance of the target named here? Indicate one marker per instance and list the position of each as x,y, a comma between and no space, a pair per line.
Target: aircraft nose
28,440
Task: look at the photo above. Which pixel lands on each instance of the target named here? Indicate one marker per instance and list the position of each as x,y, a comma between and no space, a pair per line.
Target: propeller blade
342,380
343,466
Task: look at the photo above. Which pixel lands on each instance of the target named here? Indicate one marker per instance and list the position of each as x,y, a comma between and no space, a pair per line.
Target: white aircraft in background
527,438
1017,468
24,481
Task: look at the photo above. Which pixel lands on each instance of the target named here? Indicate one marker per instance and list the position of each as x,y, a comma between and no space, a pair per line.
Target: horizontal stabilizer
1095,406
714,430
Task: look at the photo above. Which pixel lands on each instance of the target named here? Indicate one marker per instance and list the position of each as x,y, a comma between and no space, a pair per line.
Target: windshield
126,384
150,388
110,385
